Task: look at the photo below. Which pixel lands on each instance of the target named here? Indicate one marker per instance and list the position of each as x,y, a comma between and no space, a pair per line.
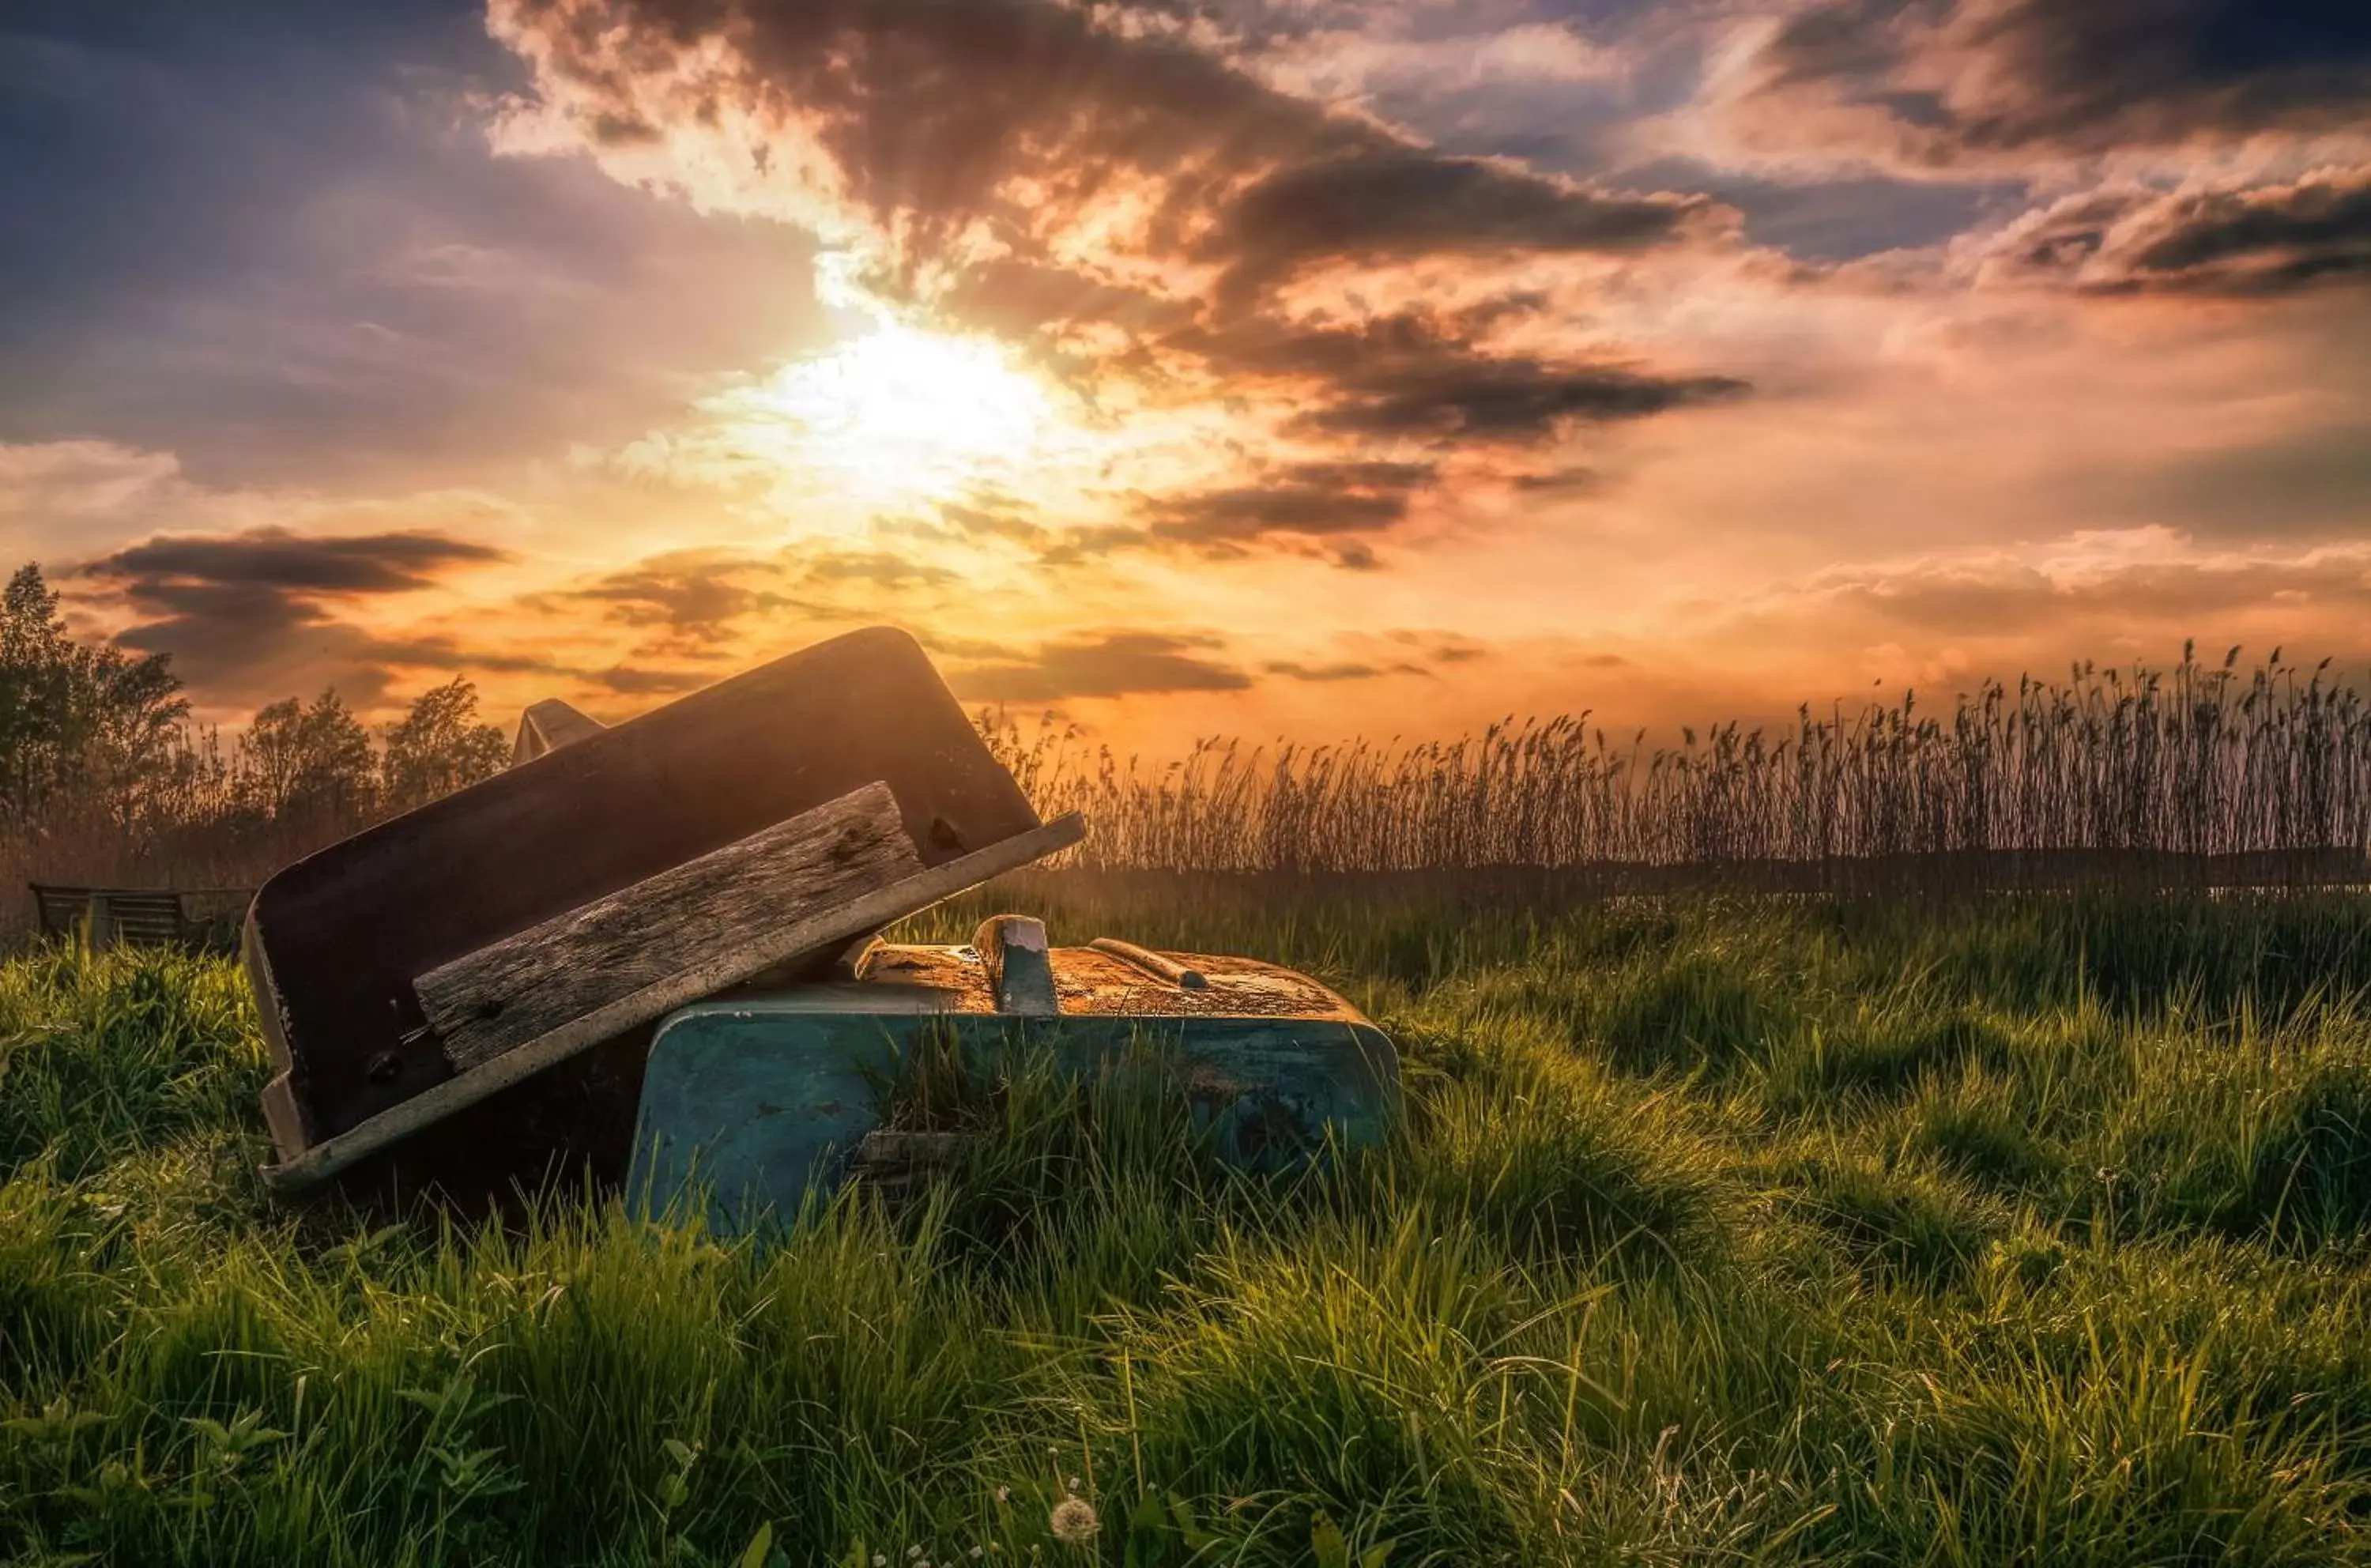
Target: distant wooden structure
109,917
547,726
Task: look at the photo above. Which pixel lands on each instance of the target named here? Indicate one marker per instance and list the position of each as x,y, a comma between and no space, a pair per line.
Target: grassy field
1992,1232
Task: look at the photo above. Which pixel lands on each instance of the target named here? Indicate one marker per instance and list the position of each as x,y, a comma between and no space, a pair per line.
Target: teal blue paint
756,1103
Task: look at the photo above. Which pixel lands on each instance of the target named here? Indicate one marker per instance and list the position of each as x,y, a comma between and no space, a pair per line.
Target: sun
901,414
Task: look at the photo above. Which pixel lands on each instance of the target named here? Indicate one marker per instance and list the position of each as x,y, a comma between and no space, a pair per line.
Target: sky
1265,367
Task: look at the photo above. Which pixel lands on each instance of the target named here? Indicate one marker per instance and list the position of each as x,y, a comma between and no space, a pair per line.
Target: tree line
96,743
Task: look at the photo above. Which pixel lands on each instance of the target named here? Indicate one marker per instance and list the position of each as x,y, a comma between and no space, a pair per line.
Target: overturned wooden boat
463,996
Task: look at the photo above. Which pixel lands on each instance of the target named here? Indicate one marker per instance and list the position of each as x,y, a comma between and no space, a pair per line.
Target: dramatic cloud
1115,664
1942,81
1422,374
694,601
2256,240
1026,128
1309,497
1160,358
1165,229
1402,201
256,612
280,561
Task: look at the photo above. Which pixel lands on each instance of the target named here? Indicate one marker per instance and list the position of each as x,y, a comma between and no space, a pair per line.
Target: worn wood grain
719,919
820,931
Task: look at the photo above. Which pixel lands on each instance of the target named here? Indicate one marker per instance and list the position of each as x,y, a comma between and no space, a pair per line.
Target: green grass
2020,1232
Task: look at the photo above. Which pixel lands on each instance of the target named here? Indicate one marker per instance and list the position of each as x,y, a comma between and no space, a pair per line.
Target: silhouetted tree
314,760
75,717
440,747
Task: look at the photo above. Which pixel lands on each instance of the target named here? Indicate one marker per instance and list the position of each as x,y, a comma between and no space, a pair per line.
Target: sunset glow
1297,369
897,416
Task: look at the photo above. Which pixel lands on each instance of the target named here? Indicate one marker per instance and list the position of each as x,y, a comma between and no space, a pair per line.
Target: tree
75,717
440,747
316,759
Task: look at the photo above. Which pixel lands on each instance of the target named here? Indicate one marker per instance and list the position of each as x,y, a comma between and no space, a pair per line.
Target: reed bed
2197,760
2112,775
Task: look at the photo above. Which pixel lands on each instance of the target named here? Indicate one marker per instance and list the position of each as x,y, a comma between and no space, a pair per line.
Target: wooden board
820,932
335,942
707,924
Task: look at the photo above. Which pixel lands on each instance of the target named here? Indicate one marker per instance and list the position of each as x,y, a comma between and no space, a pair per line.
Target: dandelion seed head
1073,1521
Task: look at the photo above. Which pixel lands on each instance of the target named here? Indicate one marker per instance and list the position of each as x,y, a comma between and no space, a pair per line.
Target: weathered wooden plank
817,933
723,914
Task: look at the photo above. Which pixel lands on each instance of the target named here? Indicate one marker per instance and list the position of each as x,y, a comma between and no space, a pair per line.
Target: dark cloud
697,598
2268,240
275,558
695,602
1348,670
1510,400
1308,498
450,653
238,639
2262,240
1248,511
255,614
1562,482
1962,77
1402,202
1419,375
1115,664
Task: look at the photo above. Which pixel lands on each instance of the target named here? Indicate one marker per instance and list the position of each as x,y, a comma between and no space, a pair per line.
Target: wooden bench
141,916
